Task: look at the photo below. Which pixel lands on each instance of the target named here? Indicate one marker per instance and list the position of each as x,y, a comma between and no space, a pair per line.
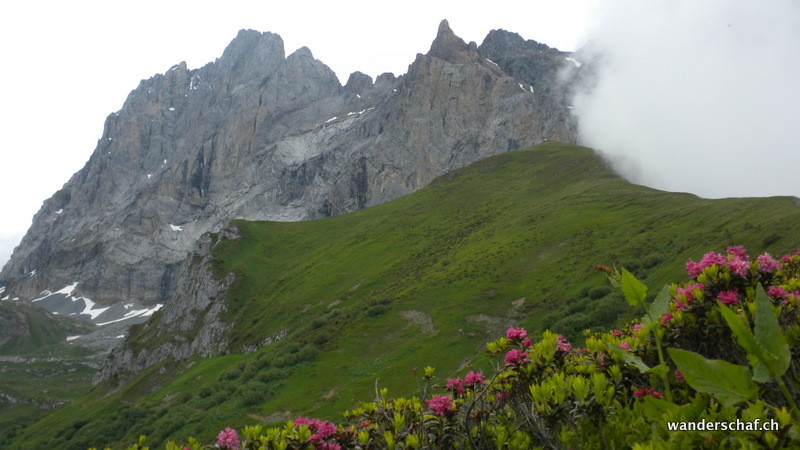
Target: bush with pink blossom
720,348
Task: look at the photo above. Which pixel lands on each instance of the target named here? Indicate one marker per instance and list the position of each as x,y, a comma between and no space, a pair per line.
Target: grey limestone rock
260,136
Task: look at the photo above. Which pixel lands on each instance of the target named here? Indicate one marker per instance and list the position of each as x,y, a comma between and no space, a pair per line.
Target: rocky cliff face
263,136
189,325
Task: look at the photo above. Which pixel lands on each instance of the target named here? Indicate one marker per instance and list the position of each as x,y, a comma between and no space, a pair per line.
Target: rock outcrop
263,136
190,324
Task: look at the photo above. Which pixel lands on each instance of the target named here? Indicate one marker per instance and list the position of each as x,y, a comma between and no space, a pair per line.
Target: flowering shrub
722,347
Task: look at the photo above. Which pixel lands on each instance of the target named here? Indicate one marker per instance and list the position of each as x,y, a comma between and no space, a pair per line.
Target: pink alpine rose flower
320,428
737,251
624,345
644,392
515,357
739,266
767,264
666,318
713,258
228,439
474,378
455,384
329,446
503,396
440,404
563,345
688,291
729,297
516,334
693,269
776,291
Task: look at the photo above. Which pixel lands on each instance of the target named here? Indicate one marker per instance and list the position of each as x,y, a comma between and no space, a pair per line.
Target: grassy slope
459,255
49,370
43,330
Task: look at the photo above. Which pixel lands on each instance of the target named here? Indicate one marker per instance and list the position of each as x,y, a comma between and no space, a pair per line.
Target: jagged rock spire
450,47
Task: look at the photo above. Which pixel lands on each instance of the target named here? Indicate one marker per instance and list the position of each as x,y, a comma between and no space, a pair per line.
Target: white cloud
702,97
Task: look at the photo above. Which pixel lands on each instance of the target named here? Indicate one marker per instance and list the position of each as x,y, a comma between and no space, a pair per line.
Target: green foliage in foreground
733,347
321,309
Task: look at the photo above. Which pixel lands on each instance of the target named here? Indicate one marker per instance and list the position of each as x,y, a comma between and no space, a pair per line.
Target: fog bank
701,97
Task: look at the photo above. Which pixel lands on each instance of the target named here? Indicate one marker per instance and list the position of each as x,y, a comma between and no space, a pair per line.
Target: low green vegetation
711,364
323,310
38,368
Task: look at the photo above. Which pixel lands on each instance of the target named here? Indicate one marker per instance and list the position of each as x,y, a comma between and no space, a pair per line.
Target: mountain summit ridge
259,135
450,47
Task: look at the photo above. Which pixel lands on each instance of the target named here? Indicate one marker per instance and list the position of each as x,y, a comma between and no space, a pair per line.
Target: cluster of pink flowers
474,379
644,392
688,294
516,357
563,345
665,319
502,396
709,259
730,297
736,259
787,258
766,263
737,251
780,292
739,266
321,429
440,404
516,334
228,439
456,385
471,380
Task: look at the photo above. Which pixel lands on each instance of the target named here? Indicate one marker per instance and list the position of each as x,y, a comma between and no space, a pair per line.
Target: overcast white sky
699,96
677,70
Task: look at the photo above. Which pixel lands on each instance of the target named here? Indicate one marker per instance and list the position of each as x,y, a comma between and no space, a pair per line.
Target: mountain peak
444,28
302,52
447,45
251,53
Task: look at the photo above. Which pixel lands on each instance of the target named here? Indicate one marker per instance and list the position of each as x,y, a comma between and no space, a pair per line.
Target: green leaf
633,289
767,349
769,336
659,307
660,370
728,383
657,409
741,329
628,358
694,410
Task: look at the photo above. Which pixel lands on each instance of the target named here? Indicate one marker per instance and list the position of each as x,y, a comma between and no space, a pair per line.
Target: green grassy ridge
422,280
